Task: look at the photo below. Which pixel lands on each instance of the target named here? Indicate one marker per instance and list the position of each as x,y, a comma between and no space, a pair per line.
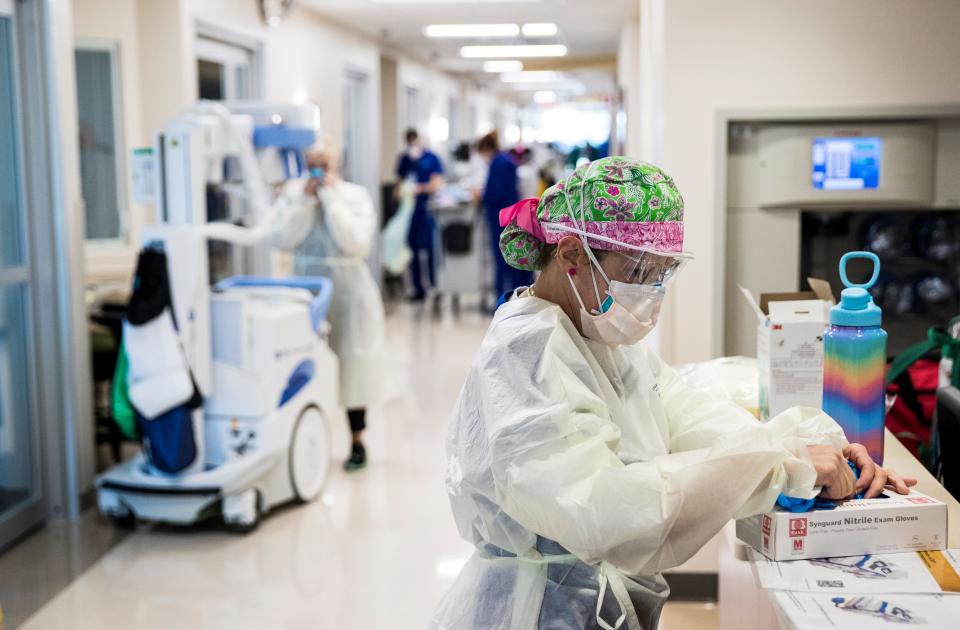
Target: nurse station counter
745,605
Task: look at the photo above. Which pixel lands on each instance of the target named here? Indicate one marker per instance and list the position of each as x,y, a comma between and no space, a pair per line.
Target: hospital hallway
250,251
377,550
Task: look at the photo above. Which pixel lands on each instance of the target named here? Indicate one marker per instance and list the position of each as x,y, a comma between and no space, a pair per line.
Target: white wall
760,54
391,125
305,58
435,91
120,30
165,34
485,102
628,72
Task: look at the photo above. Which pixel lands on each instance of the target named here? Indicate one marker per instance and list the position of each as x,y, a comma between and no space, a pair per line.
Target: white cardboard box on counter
893,523
790,329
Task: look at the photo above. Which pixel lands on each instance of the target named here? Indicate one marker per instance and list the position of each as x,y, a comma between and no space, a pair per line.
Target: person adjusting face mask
580,466
336,247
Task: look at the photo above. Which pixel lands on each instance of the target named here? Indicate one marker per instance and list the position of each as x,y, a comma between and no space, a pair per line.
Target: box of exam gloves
790,329
890,523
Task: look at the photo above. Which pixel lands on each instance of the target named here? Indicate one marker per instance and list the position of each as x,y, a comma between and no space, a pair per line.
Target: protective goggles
641,265
649,267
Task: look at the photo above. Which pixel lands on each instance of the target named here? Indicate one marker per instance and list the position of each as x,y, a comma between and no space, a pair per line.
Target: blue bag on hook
168,439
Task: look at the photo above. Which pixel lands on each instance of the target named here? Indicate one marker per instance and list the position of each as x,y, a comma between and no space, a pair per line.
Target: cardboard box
892,523
790,329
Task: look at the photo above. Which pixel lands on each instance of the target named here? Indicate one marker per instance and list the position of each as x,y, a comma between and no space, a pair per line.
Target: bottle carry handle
866,256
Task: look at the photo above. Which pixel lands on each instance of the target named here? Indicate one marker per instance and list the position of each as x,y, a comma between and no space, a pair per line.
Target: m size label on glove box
889,524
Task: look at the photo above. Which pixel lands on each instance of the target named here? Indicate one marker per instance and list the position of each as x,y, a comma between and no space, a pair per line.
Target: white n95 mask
628,314
630,311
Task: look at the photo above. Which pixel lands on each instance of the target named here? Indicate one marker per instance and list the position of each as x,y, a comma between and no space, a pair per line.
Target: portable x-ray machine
256,346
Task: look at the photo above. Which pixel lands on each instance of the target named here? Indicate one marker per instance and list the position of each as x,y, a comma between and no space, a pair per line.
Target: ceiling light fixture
566,87
455,1
509,65
532,76
471,30
539,50
545,97
544,29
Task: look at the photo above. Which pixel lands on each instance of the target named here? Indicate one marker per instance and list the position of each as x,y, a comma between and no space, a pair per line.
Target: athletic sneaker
358,458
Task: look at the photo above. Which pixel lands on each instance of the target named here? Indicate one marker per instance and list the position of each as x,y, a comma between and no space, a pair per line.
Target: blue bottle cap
856,307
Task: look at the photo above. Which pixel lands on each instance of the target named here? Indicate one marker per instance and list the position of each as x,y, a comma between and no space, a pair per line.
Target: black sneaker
358,459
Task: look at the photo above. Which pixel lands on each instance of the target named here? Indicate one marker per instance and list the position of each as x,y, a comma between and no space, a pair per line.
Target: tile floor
377,551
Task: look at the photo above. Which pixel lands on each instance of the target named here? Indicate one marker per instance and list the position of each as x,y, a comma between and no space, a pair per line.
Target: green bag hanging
123,413
937,339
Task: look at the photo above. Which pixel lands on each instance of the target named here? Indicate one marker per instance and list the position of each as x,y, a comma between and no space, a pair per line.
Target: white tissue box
892,523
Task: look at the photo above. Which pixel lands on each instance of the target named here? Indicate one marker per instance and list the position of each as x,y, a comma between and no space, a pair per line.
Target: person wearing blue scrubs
500,191
426,169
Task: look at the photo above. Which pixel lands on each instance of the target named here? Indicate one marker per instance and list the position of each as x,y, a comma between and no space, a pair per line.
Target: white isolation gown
579,472
337,247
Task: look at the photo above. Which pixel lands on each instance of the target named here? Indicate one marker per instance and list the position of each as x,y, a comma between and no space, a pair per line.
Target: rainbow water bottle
855,360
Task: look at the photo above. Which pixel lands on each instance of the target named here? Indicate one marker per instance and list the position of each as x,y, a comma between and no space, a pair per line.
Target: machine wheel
124,521
241,512
309,455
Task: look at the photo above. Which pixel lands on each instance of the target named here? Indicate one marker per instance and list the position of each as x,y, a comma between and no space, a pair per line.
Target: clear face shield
640,265
636,283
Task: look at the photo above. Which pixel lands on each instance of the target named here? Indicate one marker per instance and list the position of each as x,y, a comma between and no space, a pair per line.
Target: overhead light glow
439,130
567,87
532,76
455,1
545,97
498,52
545,29
511,65
471,30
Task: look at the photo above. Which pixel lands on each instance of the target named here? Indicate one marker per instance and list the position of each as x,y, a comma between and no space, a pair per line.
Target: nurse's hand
873,479
832,472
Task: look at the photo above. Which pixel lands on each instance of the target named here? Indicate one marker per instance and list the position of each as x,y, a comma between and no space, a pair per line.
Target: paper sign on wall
144,171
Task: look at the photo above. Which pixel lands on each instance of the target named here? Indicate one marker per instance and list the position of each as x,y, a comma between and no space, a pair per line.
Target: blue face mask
317,172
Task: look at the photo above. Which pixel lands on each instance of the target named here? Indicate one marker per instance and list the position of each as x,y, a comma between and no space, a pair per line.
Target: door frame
21,518
123,242
218,34
354,77
55,235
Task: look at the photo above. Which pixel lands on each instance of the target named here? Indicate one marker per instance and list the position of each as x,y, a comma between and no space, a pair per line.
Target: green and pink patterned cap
624,202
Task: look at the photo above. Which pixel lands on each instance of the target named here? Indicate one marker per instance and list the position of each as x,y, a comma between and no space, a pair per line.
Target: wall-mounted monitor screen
847,163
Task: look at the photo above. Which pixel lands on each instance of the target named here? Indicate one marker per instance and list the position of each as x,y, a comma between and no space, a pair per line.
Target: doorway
20,490
355,100
226,71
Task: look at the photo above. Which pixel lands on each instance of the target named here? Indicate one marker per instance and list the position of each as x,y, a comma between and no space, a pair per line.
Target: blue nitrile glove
795,504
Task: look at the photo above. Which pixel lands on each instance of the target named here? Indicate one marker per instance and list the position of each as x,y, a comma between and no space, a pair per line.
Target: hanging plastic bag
123,414
396,252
